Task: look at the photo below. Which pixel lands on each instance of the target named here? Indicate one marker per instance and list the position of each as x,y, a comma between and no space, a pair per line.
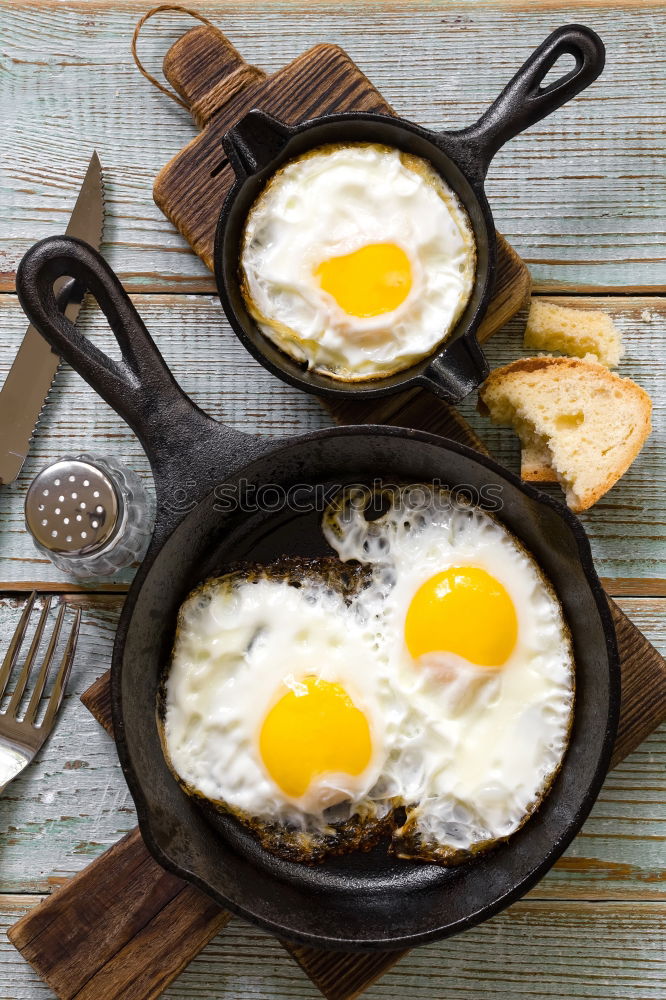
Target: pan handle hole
558,71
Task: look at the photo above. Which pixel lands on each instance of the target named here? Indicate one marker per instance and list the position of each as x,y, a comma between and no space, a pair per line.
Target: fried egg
266,714
357,260
475,644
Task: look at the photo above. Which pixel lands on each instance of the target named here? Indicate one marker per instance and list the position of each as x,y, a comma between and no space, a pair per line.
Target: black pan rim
443,144
441,931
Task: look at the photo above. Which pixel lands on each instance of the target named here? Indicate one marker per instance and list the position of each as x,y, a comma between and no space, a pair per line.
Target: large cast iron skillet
363,900
259,144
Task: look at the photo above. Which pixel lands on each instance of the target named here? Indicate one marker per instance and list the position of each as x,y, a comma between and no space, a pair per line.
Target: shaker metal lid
72,506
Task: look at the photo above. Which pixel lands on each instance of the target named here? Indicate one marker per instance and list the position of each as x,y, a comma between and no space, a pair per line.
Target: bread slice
576,332
584,333
589,423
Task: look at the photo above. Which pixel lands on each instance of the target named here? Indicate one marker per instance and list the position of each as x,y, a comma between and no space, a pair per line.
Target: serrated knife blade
30,378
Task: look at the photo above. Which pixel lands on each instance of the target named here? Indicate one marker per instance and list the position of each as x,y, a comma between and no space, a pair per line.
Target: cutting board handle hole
221,165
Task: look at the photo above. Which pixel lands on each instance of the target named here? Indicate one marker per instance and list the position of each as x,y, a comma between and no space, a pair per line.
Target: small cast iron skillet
258,144
362,901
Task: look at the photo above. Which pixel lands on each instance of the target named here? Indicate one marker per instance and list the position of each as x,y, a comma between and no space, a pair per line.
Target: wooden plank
61,587
72,804
97,699
636,587
643,705
581,196
533,950
163,912
626,528
340,976
646,587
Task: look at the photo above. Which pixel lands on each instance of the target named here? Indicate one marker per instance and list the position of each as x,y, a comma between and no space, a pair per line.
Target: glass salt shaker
90,515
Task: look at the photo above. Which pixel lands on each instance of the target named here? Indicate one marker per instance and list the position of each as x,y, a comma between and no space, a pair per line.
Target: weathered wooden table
581,197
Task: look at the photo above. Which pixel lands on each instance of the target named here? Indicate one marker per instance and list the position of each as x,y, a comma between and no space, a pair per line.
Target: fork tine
26,670
62,676
15,645
31,711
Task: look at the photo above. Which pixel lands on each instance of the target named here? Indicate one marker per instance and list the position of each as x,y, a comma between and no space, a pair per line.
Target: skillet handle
254,142
524,101
457,371
185,446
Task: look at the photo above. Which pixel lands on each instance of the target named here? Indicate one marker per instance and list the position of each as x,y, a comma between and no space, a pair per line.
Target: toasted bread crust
507,399
534,469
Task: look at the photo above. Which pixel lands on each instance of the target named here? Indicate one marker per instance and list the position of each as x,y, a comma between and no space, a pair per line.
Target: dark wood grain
340,976
122,928
643,669
97,700
190,189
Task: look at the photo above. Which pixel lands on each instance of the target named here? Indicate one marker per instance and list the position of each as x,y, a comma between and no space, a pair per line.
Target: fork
20,739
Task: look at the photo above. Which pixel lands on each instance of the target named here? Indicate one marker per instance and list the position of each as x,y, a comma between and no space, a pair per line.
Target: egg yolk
312,730
466,611
373,280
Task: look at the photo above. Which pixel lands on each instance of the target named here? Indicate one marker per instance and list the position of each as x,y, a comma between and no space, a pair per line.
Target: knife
30,378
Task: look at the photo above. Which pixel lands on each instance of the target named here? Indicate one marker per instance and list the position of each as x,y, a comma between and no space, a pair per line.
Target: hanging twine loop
163,8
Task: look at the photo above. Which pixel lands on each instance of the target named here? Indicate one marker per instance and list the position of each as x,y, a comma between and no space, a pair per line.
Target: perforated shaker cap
73,506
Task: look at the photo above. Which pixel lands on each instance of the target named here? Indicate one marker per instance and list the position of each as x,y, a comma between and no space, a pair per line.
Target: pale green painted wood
582,196
626,527
73,803
206,359
535,951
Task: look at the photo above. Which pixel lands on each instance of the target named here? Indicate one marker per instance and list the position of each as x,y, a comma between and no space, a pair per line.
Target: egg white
334,201
243,644
467,751
481,746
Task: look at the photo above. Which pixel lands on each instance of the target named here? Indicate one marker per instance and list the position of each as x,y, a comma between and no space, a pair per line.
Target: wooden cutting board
124,928
220,87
